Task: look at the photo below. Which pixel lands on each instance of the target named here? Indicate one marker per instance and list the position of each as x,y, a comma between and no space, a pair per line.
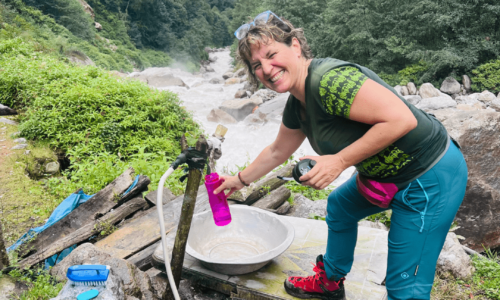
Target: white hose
159,205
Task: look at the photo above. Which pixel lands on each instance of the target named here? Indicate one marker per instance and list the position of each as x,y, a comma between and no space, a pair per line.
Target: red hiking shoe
316,286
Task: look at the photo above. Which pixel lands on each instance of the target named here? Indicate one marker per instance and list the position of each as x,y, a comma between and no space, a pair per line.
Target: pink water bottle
218,203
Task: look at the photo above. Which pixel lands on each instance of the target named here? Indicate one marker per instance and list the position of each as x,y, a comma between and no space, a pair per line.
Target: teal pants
421,217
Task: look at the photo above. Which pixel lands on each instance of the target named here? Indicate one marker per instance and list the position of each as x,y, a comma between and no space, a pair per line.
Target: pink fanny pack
378,193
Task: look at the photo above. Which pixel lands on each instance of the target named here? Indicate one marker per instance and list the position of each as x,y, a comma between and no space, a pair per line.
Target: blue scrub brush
88,275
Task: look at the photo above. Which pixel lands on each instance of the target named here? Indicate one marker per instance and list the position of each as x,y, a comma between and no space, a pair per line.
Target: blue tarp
67,206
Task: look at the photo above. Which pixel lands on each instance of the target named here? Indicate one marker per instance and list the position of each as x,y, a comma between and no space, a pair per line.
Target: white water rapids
243,142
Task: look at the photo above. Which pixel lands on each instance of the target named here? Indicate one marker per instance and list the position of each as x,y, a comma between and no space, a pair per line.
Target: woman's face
277,65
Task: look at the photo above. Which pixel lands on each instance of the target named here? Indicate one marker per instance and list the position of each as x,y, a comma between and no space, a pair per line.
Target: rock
202,70
266,94
240,72
87,8
27,152
239,109
377,225
469,100
495,104
212,59
498,96
486,97
453,259
7,288
52,167
249,94
413,99
79,58
404,91
111,291
303,207
477,133
469,107
228,75
427,90
232,81
450,86
273,109
219,116
466,82
250,87
256,117
208,50
98,26
412,89
20,141
435,103
209,69
19,147
216,81
7,121
159,77
284,208
6,111
240,94
397,88
134,282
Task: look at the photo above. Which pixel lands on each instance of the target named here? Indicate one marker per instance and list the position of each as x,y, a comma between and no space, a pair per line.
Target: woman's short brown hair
281,31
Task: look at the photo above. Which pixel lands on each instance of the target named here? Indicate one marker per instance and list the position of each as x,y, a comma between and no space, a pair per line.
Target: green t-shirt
331,86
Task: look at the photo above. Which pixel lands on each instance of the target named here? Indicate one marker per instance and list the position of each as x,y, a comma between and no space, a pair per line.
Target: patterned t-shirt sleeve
337,89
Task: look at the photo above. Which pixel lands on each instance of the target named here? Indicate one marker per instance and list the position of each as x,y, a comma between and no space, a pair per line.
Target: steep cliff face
88,9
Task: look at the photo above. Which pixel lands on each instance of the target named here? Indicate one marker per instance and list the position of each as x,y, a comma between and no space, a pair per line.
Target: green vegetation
487,77
41,285
382,217
487,275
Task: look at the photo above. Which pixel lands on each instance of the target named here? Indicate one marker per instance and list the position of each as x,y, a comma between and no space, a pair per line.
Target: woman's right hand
231,183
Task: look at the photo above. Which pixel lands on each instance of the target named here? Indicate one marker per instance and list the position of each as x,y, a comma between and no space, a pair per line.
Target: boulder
216,81
469,107
197,84
7,121
477,133
466,82
134,282
404,91
486,97
250,87
239,109
450,86
240,72
6,111
469,100
209,69
498,96
266,94
87,8
413,99
219,116
240,94
111,291
212,59
157,78
202,70
256,117
19,147
228,75
397,88
79,58
453,259
435,103
495,104
98,26
52,167
412,89
303,207
20,141
427,90
231,81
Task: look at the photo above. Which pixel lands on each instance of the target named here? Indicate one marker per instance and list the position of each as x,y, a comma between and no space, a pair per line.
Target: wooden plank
88,212
274,199
84,232
248,195
142,232
142,259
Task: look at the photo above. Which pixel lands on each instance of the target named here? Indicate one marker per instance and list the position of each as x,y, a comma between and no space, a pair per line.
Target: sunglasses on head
260,19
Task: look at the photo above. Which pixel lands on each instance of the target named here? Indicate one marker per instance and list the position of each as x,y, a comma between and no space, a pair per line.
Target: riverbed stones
216,81
240,94
19,147
398,88
220,116
413,99
477,133
435,103
427,90
134,282
239,109
486,97
450,86
453,259
495,104
231,81
209,69
6,111
466,82
240,72
7,121
228,75
412,89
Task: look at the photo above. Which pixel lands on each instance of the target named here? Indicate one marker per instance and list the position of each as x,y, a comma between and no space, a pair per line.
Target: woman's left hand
326,170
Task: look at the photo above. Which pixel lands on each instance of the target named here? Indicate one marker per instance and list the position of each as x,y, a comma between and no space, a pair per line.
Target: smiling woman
351,117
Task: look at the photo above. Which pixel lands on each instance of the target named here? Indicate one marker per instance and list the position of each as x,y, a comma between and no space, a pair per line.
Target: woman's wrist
241,180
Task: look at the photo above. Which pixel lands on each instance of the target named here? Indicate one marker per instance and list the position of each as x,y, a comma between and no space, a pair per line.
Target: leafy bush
102,123
487,77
